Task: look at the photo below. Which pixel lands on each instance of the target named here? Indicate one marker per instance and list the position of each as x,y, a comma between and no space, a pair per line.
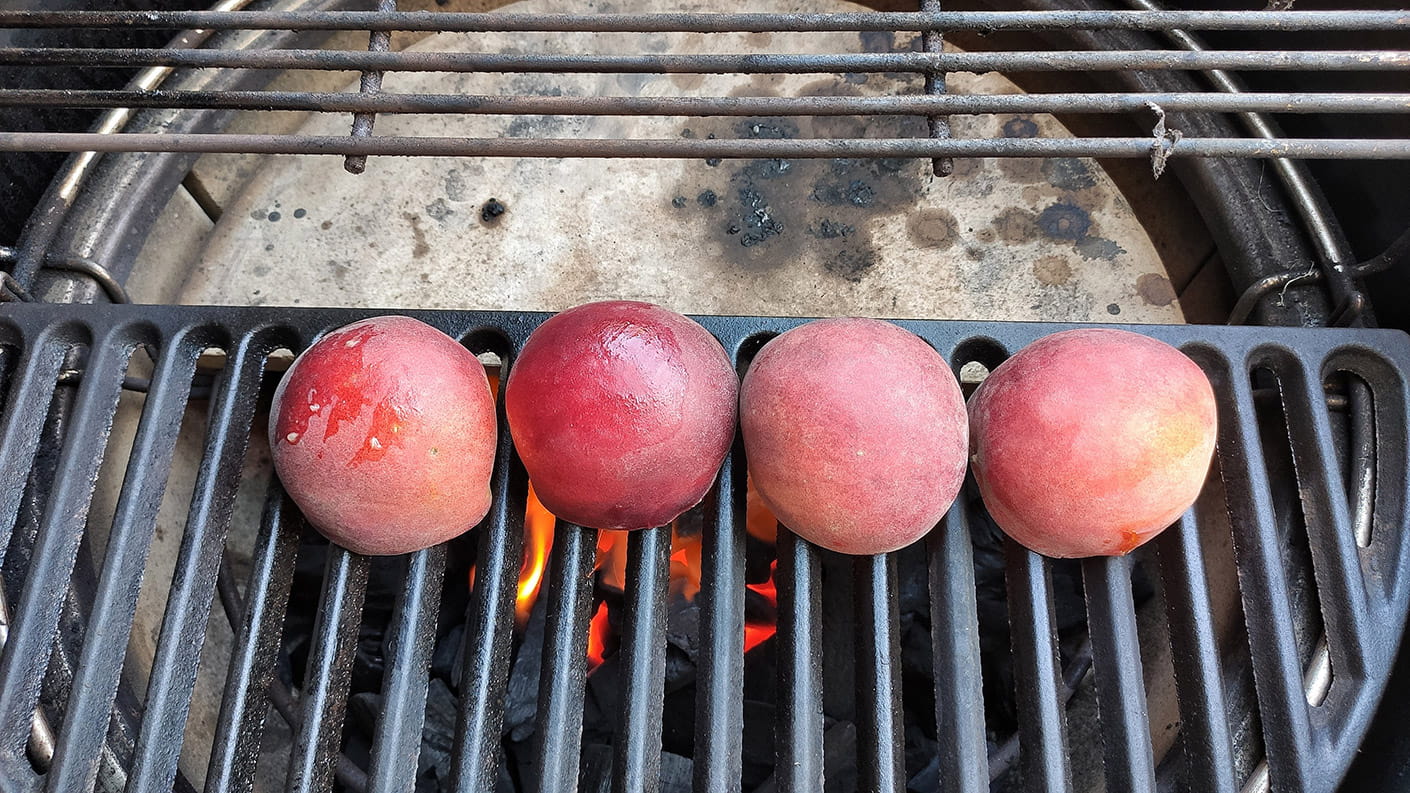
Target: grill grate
1363,590
933,62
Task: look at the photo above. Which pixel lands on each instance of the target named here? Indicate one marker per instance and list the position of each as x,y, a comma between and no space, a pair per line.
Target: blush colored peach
622,413
1090,442
856,433
383,432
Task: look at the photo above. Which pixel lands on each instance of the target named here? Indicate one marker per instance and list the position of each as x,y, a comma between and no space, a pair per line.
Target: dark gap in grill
1351,414
1291,522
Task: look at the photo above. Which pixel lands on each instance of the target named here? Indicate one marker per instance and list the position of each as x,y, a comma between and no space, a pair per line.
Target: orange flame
538,539
756,633
598,631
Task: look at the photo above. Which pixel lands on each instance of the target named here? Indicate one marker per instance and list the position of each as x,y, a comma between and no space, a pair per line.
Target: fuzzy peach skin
1090,442
383,432
622,413
856,433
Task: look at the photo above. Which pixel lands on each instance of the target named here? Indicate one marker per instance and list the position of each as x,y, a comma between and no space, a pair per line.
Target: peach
1090,442
383,432
622,413
856,433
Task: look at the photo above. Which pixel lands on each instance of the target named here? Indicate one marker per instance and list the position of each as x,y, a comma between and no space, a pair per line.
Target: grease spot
1052,271
419,248
933,228
1113,309
1016,225
1155,289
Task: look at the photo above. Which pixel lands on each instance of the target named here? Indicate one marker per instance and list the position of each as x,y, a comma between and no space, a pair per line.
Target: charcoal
363,710
595,769
676,773
600,702
443,659
438,732
522,692
682,642
678,721
839,760
758,743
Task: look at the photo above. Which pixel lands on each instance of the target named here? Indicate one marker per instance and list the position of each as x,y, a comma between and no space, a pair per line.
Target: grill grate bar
959,693
980,21
1199,680
720,664
35,619
636,744
1263,582
750,148
197,565
898,105
99,668
798,734
411,640
490,621
377,41
558,726
1336,562
881,745
255,648
323,701
751,63
1041,717
31,390
1116,661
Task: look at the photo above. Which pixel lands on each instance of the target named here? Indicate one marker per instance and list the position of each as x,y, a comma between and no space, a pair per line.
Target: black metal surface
1363,588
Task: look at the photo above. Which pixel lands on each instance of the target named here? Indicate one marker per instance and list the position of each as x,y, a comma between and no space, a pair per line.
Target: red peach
856,433
1090,442
622,413
383,432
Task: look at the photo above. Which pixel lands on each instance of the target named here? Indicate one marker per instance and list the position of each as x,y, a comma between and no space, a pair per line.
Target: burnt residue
679,202
760,214
1068,173
1020,127
1064,221
493,210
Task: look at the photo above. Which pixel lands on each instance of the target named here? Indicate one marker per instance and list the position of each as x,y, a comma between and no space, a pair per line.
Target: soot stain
1020,127
1155,289
1099,248
456,185
1068,173
775,210
439,210
1063,221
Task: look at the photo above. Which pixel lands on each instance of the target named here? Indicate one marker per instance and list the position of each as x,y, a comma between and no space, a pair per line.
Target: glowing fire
598,630
611,567
756,633
538,539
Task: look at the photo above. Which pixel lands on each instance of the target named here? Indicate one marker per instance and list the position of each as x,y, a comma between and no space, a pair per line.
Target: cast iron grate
1168,49
1361,584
